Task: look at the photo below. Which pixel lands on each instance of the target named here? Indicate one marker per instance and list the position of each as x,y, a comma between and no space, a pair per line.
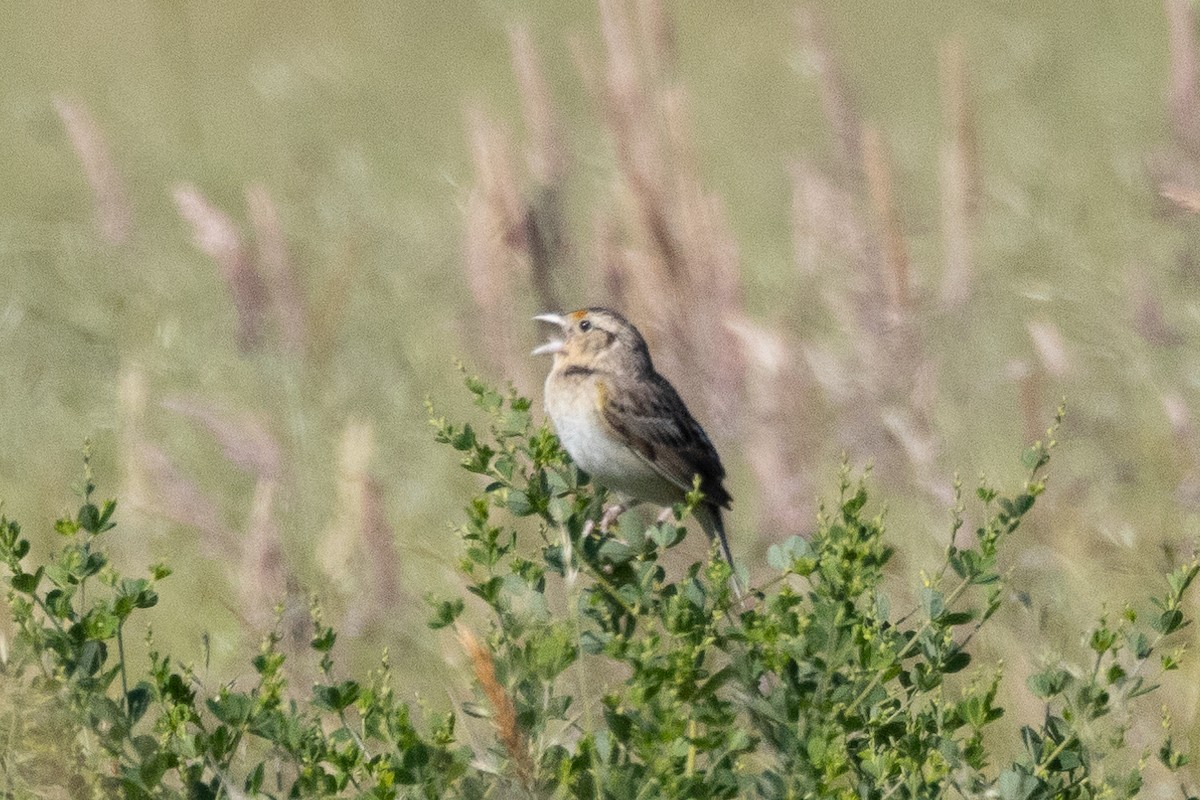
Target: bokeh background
241,244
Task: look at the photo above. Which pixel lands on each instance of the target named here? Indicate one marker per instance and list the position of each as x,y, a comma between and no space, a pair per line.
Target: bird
624,424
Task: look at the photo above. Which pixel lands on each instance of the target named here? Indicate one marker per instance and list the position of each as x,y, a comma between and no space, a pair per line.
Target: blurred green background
265,474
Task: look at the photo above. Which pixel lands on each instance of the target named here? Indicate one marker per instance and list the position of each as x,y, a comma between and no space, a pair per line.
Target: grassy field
243,243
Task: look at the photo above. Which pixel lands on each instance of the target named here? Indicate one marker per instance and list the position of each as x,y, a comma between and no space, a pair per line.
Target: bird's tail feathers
711,521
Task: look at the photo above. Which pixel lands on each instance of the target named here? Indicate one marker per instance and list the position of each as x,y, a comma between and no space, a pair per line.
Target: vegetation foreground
602,669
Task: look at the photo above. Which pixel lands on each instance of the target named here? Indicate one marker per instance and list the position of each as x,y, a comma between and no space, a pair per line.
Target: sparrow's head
596,339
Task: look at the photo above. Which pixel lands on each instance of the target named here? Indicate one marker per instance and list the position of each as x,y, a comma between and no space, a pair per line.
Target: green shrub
603,672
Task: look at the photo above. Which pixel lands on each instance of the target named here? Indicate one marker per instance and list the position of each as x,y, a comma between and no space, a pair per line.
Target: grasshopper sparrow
623,423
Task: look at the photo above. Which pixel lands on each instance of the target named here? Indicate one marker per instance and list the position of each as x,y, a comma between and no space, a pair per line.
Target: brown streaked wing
651,418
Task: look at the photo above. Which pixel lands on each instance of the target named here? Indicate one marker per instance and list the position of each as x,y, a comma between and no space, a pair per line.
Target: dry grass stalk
1183,430
247,442
244,436
340,550
179,499
263,579
547,153
678,274
837,102
1029,380
958,113
546,156
358,551
1050,347
110,201
1183,95
217,236
1148,318
282,280
132,398
959,177
495,235
958,276
1184,197
658,37
826,225
331,303
504,713
779,397
379,545
880,183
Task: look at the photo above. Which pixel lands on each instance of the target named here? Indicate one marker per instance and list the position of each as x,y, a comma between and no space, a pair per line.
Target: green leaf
934,603
518,503
1017,785
666,534
27,582
100,624
1049,682
323,641
446,612
1168,622
231,708
89,518
137,700
956,662
852,506
337,697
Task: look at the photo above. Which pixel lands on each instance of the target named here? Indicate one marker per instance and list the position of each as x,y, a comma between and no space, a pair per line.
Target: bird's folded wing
656,425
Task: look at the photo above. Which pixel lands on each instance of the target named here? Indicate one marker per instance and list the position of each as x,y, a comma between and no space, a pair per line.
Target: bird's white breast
576,416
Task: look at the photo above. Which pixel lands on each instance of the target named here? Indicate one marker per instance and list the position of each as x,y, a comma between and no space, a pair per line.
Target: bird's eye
585,326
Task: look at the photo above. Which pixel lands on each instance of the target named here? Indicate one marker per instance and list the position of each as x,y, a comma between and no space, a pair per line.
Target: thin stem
46,610
1040,772
908,648
121,656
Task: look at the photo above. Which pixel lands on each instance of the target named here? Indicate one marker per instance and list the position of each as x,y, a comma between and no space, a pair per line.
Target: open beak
554,345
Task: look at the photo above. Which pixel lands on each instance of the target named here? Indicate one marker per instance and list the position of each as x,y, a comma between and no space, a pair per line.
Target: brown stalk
1184,197
958,114
878,169
504,713
339,549
826,225
1050,347
245,438
379,545
1029,379
547,154
329,304
837,102
217,236
279,272
677,268
496,241
263,581
547,159
112,209
959,177
132,395
1148,318
779,397
631,107
957,278
658,38
1183,429
358,551
1183,94
176,497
